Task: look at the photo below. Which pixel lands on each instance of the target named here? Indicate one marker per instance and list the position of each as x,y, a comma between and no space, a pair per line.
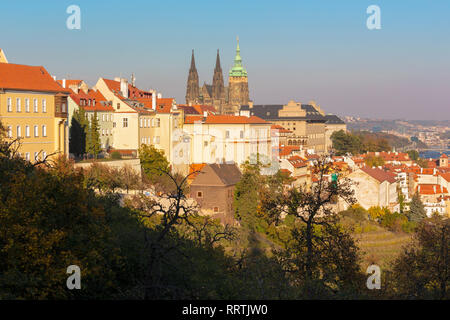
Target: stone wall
134,163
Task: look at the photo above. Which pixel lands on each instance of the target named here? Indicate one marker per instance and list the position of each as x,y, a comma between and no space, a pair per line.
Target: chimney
250,104
153,99
64,83
124,87
54,78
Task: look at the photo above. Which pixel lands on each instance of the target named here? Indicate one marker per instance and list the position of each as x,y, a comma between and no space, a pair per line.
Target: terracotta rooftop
87,101
431,189
22,77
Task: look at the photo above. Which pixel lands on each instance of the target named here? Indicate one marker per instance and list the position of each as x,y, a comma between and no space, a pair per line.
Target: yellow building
33,108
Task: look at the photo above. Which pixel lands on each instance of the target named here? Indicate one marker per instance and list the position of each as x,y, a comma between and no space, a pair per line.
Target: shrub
393,221
409,226
116,155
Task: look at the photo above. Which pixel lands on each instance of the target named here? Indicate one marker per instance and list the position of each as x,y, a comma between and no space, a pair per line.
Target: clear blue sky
298,50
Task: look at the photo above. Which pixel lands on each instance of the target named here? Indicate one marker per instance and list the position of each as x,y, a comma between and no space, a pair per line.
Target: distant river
432,154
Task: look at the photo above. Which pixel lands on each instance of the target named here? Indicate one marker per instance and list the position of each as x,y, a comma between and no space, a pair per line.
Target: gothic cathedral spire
218,88
192,89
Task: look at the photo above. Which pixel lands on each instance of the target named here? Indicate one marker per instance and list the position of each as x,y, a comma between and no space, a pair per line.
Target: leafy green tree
93,143
422,269
413,154
417,211
154,165
344,143
78,132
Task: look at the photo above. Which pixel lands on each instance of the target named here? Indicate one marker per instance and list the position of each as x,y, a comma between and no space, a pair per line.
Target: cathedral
226,99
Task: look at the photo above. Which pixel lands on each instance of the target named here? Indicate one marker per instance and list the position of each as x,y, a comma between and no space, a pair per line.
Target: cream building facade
33,108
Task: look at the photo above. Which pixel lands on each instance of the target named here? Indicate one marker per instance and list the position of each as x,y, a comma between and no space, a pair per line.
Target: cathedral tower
218,87
238,83
192,89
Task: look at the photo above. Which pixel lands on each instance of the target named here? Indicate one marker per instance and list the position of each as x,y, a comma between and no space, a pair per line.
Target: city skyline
302,51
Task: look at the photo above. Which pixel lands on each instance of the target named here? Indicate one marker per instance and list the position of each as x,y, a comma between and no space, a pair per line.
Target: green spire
238,70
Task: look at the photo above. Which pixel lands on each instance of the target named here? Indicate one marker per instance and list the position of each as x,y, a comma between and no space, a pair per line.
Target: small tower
238,83
192,88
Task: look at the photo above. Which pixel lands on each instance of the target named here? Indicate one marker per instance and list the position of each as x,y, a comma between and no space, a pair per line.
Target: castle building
225,99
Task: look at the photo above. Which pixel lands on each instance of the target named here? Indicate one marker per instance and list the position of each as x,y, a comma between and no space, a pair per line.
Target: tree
373,161
422,269
93,143
413,154
154,166
129,177
423,163
344,143
324,257
78,128
416,209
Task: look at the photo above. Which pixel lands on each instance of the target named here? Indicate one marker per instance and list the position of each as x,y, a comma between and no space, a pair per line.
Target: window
44,105
27,105
216,209
156,139
9,105
242,134
27,156
103,132
227,134
103,117
9,132
19,132
36,131
36,156
205,143
158,122
199,194
18,107
44,130
63,107
141,122
110,117
44,155
35,103
27,131
118,106
125,122
114,124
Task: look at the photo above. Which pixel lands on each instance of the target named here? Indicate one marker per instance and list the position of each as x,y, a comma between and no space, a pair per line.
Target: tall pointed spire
193,62
237,70
192,88
218,87
218,67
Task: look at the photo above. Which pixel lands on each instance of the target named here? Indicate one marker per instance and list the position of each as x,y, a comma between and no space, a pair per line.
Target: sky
316,50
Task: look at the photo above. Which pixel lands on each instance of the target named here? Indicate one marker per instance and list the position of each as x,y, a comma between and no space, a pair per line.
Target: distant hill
399,143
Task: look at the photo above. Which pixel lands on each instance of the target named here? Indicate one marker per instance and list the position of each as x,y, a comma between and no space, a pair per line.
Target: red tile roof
379,174
390,156
22,77
443,156
431,189
280,129
445,175
297,162
89,99
224,119
287,150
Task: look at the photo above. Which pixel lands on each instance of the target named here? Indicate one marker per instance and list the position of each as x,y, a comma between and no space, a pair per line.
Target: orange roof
280,128
223,119
445,175
22,77
89,99
195,167
443,156
431,189
297,161
164,105
287,150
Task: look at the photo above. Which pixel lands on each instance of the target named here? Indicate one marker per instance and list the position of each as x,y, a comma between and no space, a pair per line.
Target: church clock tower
238,83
